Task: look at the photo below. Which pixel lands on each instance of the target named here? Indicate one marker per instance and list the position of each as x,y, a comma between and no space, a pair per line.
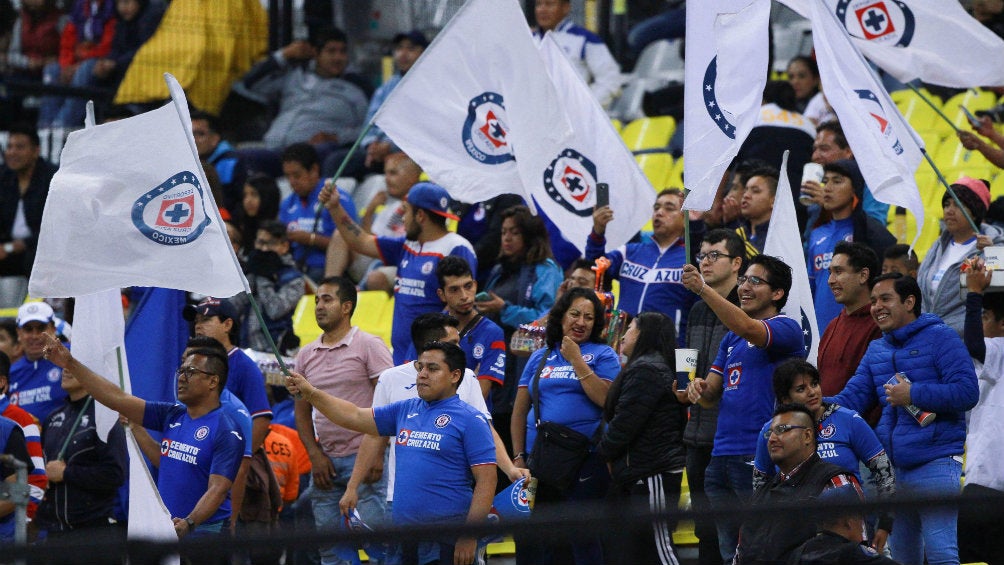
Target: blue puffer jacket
935,360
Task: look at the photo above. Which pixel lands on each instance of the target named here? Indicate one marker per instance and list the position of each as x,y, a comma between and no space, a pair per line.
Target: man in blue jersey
649,271
442,443
740,379
416,255
482,340
11,443
34,381
202,444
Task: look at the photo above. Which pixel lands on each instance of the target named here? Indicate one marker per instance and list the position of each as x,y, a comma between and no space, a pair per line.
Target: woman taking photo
643,441
571,375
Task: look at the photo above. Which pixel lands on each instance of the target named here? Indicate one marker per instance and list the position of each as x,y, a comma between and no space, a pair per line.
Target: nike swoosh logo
174,425
581,480
238,435
411,415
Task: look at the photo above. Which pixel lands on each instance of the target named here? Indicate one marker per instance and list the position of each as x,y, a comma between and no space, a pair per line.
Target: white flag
148,517
725,74
130,206
481,79
99,343
936,41
886,148
565,175
785,241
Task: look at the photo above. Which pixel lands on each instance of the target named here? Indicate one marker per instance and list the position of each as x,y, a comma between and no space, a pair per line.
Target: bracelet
586,376
520,455
701,293
313,236
8,247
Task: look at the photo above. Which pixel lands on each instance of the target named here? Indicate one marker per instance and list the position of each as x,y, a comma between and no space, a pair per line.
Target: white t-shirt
955,253
398,383
818,110
985,440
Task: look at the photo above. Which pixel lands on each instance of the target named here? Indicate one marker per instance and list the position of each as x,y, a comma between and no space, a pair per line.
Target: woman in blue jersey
843,438
575,371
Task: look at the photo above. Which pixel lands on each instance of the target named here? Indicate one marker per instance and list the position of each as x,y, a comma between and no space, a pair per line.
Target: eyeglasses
712,256
189,372
752,279
782,429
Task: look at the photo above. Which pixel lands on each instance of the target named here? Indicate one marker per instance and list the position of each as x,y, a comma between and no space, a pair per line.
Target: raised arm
750,329
358,240
341,412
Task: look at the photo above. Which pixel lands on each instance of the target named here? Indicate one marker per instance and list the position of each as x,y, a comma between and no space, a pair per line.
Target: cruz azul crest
888,22
485,132
172,213
569,181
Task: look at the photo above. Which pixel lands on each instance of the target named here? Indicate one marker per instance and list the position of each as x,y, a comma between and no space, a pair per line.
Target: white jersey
398,383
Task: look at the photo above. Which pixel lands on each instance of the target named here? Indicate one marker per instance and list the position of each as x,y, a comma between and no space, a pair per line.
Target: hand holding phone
973,120
602,195
482,297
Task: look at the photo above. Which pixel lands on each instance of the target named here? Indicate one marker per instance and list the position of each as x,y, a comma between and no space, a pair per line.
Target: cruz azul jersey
416,282
436,444
190,451
747,383
484,346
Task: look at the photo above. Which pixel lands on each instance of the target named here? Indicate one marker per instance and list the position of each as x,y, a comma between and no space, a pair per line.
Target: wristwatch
191,524
8,247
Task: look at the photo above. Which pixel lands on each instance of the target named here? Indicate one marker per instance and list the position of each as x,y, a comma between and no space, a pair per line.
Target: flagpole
686,228
933,106
216,212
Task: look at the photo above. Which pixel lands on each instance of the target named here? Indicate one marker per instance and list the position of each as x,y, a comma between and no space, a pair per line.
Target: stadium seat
920,114
304,325
660,59
997,186
649,134
675,178
973,100
951,154
628,105
618,125
656,167
375,313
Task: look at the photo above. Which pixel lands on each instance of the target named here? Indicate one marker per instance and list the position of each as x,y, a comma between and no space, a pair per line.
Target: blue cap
431,197
211,307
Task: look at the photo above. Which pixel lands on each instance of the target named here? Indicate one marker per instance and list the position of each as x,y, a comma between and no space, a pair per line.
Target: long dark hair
536,244
268,208
656,334
553,332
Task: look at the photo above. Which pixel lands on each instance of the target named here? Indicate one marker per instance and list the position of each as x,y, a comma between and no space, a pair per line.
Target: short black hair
905,286
274,228
780,275
733,243
859,256
326,34
26,130
452,266
834,127
346,290
902,251
769,173
431,326
215,354
4,365
799,408
993,302
780,92
553,332
456,360
302,153
744,169
9,326
210,119
786,373
606,284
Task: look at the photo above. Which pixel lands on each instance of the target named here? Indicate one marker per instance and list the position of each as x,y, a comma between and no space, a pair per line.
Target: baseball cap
414,36
34,312
210,307
431,197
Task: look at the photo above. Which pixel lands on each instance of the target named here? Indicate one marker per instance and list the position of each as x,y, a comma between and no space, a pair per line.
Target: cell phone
482,297
973,120
602,195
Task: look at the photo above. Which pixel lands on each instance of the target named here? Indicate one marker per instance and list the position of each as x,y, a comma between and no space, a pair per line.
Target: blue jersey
247,382
562,399
747,383
11,443
241,416
416,283
844,439
299,215
436,444
822,240
36,386
484,345
191,451
650,279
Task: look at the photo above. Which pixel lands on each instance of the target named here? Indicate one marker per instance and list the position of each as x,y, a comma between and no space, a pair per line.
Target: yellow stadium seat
675,178
997,186
304,325
952,154
656,167
973,100
932,140
917,112
618,125
374,313
649,134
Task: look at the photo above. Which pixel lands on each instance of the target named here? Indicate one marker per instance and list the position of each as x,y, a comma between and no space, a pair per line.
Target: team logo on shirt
711,101
54,375
402,436
588,357
427,268
735,375
886,22
165,446
828,431
569,181
479,350
545,373
172,213
485,133
202,432
442,420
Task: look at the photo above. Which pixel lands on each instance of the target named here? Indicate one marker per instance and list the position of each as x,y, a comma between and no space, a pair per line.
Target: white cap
34,312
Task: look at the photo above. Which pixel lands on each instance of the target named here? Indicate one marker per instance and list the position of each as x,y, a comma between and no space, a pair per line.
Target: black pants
698,458
654,542
979,532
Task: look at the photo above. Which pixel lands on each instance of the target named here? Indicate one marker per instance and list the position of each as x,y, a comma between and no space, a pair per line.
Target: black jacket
828,548
644,434
34,202
704,333
94,469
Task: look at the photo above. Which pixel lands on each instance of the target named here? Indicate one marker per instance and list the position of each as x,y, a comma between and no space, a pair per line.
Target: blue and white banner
130,206
725,74
935,41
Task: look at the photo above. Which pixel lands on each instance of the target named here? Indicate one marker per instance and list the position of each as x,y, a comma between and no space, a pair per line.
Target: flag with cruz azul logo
130,206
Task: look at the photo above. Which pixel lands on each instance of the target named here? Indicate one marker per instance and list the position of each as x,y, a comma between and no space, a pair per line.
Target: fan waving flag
565,175
130,206
459,107
725,74
784,241
932,40
886,148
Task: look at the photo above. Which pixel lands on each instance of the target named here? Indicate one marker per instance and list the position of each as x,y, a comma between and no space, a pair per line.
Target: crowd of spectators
758,424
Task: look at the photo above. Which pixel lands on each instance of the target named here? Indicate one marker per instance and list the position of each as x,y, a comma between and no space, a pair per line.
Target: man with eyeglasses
649,271
739,380
276,284
802,476
202,445
720,260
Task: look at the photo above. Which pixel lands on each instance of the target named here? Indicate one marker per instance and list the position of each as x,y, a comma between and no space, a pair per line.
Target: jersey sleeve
718,365
479,445
229,444
155,414
864,442
466,253
386,417
253,396
761,461
784,336
606,364
391,249
531,367
492,366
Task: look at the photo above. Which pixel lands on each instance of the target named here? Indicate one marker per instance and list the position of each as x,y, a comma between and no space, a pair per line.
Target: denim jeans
66,111
930,531
327,514
728,482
